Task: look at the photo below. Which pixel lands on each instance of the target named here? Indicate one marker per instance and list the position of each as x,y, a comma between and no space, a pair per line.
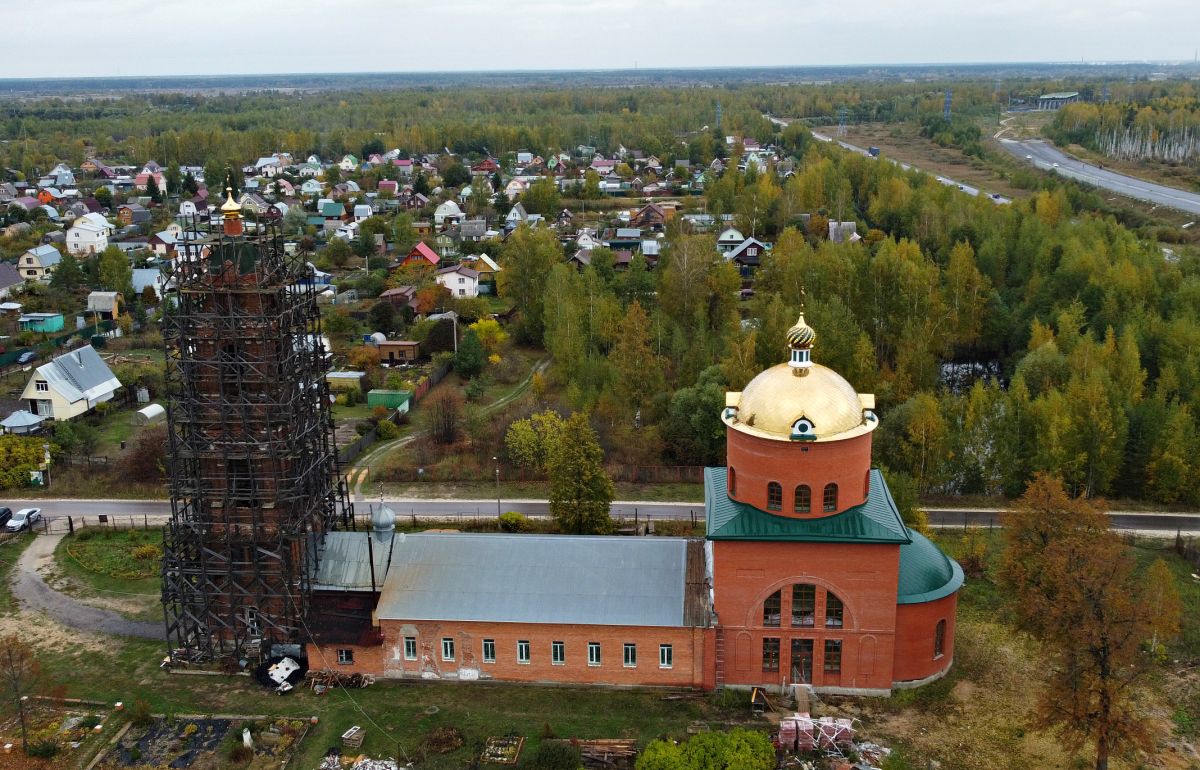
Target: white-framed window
558,653
410,648
630,655
523,651
42,387
447,649
593,653
666,656
345,657
489,650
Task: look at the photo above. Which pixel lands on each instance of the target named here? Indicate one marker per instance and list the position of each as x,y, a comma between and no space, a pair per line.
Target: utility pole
497,462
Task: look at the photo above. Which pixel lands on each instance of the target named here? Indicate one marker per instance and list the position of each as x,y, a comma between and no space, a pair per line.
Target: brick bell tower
814,572
253,470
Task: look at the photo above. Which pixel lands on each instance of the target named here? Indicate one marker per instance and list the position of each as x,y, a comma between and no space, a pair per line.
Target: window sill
410,660
629,666
665,668
593,665
522,663
559,663
939,656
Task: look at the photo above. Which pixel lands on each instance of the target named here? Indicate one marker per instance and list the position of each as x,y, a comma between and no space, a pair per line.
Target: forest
1163,127
1000,341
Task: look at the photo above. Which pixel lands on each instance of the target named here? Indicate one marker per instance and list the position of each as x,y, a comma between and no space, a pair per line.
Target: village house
460,280
70,385
421,254
446,214
392,352
39,262
104,305
10,278
89,235
132,214
400,297
45,323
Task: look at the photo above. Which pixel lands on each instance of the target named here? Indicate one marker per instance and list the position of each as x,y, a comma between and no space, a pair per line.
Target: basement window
345,657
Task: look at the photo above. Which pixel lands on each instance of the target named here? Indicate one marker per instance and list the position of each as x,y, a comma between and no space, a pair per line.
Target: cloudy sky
169,37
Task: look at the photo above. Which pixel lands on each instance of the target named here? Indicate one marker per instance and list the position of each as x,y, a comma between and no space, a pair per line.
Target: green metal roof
875,521
926,574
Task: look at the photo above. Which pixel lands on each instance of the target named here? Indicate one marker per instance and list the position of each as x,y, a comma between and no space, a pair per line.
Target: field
112,569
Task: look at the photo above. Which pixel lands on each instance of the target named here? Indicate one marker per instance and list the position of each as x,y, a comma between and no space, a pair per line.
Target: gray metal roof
345,563
620,581
21,419
46,254
80,374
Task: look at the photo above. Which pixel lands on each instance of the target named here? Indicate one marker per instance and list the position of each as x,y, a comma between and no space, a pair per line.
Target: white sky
170,37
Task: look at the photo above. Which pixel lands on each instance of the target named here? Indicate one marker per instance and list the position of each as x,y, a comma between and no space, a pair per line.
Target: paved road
155,512
968,189
1045,156
32,592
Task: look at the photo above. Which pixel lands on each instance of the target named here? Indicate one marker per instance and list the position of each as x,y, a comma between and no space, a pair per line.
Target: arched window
732,481
772,609
804,605
830,497
803,499
833,610
939,639
774,496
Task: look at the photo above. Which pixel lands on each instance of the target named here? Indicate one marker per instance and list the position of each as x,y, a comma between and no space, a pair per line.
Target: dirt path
357,474
35,595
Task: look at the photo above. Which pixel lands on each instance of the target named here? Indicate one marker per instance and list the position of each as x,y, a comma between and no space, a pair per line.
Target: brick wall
863,576
757,461
689,647
916,626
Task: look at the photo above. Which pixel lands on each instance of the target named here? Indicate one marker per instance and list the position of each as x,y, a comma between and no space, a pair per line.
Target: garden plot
58,737
206,744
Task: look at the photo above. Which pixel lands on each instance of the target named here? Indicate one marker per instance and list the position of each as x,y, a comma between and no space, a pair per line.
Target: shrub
139,714
44,748
147,552
557,755
513,522
387,430
241,753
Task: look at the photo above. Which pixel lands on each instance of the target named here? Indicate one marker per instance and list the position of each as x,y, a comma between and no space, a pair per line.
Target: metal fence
67,525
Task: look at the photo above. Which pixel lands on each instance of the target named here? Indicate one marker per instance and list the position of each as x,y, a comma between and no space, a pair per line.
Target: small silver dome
383,519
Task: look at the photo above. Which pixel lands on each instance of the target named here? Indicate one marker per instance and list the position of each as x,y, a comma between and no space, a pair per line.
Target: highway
155,512
1047,157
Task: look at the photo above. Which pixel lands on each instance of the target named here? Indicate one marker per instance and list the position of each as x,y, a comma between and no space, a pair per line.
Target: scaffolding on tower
252,464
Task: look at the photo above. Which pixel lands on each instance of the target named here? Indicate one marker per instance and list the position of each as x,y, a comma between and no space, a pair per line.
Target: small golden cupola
800,340
231,213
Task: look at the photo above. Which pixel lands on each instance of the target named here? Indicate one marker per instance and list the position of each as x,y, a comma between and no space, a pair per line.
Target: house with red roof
421,254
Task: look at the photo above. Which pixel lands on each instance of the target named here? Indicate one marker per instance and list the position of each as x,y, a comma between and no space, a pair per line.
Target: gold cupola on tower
800,339
231,214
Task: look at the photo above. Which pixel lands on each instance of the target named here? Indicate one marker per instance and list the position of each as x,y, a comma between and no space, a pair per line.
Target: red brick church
806,576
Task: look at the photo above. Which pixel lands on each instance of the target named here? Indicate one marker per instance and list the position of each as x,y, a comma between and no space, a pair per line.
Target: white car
1028,157
24,519
1055,165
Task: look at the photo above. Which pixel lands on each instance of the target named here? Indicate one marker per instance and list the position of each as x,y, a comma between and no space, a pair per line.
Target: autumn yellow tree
1074,586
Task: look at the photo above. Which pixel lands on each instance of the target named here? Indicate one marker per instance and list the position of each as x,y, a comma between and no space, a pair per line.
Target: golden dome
801,335
230,205
773,402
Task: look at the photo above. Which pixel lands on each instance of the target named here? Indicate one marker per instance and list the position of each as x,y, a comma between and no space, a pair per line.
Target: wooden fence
427,384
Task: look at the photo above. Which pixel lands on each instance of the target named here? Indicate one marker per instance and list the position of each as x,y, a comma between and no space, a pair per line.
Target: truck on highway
873,152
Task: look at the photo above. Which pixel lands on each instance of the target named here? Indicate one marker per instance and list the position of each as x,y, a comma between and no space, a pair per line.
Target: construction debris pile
833,738
325,679
361,762
606,753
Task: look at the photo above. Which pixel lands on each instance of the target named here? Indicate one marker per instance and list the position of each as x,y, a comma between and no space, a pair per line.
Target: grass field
112,569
